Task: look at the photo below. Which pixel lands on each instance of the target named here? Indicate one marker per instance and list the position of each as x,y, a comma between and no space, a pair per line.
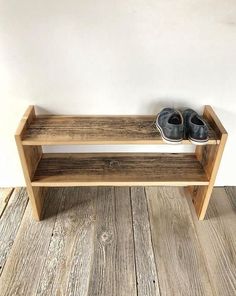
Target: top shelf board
58,130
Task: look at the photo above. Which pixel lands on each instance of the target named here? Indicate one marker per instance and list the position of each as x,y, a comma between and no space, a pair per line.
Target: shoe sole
197,142
167,140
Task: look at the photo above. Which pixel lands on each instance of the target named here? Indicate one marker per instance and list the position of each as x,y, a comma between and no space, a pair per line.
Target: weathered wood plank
136,129
5,194
68,263
180,266
231,193
113,268
26,259
10,222
91,249
73,169
217,235
147,279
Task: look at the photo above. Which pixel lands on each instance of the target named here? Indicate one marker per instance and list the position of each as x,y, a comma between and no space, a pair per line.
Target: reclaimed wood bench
196,171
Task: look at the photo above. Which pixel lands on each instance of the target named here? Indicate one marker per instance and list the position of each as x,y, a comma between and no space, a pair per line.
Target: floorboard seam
135,264
7,198
145,194
94,238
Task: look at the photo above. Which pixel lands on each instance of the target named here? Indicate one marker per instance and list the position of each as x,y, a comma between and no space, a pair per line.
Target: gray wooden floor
117,241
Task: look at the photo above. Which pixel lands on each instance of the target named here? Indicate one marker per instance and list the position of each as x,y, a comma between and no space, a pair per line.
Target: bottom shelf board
119,169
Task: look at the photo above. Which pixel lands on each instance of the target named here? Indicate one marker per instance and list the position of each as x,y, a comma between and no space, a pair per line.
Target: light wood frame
208,155
30,157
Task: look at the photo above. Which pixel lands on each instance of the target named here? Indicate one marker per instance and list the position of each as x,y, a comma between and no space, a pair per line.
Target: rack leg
36,196
200,197
210,157
30,156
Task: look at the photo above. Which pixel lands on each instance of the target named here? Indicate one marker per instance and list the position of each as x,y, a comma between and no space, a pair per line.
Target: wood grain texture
106,170
5,194
147,279
33,155
29,157
218,241
212,119
210,158
35,200
120,169
181,267
27,118
26,259
10,222
231,193
67,267
87,247
136,129
113,268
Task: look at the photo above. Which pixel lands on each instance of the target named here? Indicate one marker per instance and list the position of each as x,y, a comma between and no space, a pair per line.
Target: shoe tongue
175,119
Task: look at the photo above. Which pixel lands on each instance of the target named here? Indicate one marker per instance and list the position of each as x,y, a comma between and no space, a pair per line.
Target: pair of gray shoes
174,126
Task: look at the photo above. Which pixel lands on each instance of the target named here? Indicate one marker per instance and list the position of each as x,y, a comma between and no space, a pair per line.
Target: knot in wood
106,237
114,163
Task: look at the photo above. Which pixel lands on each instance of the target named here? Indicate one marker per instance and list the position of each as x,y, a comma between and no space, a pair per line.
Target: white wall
117,57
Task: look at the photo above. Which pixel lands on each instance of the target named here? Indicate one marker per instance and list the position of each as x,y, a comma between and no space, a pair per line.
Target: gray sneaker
170,124
196,129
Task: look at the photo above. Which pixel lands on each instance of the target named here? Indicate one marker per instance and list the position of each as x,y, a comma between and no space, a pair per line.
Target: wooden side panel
207,156
30,157
200,195
33,155
210,157
27,118
211,117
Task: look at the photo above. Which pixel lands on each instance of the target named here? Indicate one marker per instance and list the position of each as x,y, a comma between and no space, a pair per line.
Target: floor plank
231,193
25,261
217,235
179,261
67,267
10,221
147,280
107,241
113,268
5,194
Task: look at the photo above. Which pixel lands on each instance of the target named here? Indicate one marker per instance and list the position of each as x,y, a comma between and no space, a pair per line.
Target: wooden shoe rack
196,171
